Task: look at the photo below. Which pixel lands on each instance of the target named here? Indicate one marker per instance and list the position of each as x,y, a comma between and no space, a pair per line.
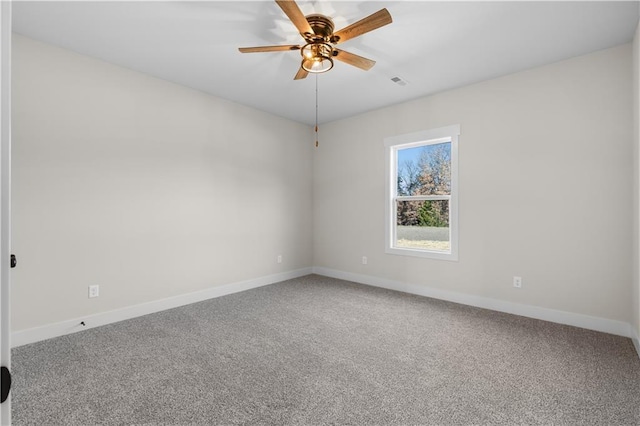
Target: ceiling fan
319,49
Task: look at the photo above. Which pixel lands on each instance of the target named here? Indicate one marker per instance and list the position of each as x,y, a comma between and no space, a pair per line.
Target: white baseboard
635,338
578,320
37,334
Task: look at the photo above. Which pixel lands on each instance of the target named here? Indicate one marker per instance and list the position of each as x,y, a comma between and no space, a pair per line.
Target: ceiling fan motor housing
321,25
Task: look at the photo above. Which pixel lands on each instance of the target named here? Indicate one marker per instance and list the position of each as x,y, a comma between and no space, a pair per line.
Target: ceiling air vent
399,81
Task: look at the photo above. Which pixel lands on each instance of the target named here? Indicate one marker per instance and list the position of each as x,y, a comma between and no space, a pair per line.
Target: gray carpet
321,351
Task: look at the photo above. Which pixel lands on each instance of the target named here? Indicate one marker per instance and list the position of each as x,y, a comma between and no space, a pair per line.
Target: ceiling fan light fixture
316,57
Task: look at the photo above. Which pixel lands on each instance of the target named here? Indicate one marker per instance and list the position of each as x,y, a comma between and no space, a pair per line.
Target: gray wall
144,187
636,186
153,190
545,177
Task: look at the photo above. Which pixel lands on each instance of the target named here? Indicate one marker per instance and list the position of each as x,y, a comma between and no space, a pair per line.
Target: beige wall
153,190
636,183
545,177
144,187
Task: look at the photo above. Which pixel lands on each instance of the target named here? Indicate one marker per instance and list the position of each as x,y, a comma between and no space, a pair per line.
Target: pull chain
316,111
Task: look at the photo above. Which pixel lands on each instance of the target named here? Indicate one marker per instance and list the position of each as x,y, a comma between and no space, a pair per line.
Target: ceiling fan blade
302,73
370,23
291,9
355,60
268,48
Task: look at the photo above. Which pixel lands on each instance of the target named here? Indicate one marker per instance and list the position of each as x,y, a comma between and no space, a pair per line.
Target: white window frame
392,145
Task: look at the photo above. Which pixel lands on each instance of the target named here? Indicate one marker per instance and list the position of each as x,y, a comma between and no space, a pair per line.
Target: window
422,194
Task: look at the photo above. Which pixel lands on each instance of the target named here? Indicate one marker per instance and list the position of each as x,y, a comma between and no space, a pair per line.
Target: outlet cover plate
94,291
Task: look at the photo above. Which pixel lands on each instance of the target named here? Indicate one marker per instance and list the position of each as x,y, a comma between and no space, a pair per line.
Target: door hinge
5,379
14,261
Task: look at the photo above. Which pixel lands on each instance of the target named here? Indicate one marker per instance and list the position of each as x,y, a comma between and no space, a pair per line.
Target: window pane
423,225
425,170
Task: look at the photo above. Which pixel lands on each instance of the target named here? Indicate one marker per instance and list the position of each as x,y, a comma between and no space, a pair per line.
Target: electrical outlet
364,260
279,258
94,291
517,282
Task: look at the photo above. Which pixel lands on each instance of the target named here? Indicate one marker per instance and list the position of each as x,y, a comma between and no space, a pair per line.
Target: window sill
426,254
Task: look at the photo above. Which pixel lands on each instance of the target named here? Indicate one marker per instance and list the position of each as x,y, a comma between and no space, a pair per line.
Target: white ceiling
434,46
